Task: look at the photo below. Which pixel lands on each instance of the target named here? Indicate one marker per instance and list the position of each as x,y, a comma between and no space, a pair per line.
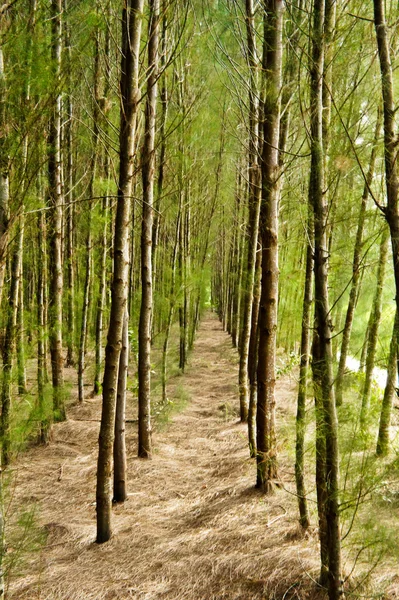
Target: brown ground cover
193,527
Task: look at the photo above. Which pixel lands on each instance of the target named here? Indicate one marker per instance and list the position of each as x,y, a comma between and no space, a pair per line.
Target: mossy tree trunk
268,229
322,350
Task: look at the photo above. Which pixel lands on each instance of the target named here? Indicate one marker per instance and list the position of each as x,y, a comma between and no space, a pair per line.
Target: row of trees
106,213
306,113
135,182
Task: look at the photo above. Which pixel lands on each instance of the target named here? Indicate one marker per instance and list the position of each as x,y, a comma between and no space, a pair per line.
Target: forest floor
193,526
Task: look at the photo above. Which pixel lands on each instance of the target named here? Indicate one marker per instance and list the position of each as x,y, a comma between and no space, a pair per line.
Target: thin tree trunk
55,221
266,373
120,491
9,351
374,324
148,165
89,237
171,310
41,327
4,178
130,96
70,312
162,152
390,134
20,318
389,393
356,271
304,519
322,356
104,236
101,301
253,355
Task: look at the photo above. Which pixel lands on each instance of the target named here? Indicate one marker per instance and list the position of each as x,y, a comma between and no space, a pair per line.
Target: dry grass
193,528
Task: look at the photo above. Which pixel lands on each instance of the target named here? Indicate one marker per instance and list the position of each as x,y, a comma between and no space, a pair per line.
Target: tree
148,165
130,97
272,66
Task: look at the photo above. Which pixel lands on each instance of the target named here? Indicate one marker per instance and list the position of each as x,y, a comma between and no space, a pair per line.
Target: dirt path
193,526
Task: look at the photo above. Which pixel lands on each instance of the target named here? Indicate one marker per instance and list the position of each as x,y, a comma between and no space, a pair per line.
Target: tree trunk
89,236
253,355
389,393
20,318
120,492
69,250
55,221
266,373
303,379
373,327
9,351
390,135
148,165
4,177
322,357
104,236
130,96
355,285
41,327
171,309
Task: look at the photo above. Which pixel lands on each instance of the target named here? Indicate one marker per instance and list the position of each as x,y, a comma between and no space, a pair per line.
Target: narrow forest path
193,527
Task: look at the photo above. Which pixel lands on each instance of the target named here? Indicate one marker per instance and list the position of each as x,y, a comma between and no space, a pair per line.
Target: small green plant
163,411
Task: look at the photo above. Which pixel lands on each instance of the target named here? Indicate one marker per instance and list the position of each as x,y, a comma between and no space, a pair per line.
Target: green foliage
163,412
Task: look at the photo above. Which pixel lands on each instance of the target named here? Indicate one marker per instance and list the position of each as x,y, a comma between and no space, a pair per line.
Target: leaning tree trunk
55,220
266,372
130,97
148,163
323,359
